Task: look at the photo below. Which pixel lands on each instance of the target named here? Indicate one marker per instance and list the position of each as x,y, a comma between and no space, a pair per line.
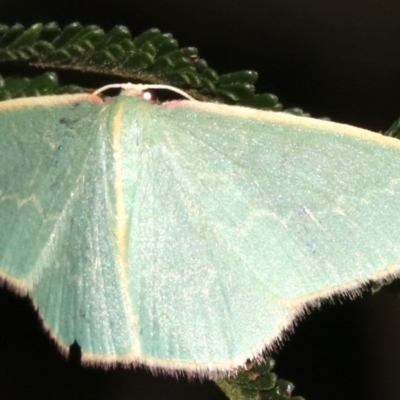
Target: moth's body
187,236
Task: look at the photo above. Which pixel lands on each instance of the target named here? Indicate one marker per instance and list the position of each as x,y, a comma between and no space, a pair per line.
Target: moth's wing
184,238
240,218
57,213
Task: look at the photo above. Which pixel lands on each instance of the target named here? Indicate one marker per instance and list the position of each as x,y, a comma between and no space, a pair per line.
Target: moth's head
146,91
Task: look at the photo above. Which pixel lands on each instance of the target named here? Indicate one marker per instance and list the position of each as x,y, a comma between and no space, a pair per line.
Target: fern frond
152,57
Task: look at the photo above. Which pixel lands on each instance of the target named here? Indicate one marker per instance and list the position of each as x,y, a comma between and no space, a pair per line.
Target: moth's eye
149,95
159,96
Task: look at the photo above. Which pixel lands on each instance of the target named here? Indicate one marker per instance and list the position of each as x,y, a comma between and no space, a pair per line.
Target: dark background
335,58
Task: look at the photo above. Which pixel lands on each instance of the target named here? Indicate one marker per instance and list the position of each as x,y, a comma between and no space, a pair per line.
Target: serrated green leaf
152,57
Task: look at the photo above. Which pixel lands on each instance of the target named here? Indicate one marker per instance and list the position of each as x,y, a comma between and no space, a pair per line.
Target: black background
335,58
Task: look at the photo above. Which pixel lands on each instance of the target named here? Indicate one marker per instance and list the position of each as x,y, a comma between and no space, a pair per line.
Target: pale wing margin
239,223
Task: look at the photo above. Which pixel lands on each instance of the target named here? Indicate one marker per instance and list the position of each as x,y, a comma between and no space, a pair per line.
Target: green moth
187,235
